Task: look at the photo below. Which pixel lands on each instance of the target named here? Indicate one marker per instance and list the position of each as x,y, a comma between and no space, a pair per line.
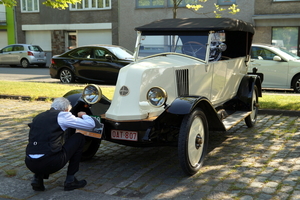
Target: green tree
59,4
233,9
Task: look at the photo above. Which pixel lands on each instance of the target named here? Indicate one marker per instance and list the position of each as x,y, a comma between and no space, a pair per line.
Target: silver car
22,54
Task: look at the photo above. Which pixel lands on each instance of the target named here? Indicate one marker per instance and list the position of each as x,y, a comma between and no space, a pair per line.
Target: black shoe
38,183
74,185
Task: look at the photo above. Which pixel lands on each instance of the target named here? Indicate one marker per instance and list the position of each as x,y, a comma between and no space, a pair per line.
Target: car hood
137,78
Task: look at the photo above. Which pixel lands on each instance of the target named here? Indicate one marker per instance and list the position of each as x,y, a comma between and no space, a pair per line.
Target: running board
235,118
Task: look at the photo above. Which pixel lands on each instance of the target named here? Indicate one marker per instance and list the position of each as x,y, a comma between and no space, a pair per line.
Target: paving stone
243,163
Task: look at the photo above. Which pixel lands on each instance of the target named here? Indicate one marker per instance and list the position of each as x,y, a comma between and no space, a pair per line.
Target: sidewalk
258,163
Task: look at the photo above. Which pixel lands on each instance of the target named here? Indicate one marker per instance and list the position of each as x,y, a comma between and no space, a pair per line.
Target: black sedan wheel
66,76
193,141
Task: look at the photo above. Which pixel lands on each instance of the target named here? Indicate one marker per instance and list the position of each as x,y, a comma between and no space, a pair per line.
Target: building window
30,6
162,3
91,5
226,2
71,40
183,3
150,3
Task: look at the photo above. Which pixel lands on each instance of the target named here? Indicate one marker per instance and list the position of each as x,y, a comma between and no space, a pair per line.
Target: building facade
134,13
7,26
278,22
90,22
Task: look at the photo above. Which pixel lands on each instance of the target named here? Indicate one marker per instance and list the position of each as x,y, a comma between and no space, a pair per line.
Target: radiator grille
182,79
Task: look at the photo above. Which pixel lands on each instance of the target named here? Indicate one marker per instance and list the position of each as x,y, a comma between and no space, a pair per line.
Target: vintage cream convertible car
189,77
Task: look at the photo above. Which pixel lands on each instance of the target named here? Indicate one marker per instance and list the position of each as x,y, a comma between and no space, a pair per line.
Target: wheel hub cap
198,141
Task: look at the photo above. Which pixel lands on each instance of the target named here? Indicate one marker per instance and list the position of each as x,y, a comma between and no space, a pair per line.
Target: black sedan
91,64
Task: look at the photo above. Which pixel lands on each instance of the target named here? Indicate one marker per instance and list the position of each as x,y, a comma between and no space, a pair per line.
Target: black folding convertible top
197,24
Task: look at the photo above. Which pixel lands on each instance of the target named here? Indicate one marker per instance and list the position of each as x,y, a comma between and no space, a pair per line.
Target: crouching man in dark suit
46,153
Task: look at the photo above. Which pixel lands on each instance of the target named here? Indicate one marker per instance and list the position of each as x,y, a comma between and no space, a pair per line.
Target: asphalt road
25,74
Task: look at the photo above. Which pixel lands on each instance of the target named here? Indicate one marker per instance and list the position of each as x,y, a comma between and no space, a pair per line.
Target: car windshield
289,53
122,53
192,45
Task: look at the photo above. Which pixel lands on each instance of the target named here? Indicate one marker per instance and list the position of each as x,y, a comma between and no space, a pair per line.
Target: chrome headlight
157,96
92,94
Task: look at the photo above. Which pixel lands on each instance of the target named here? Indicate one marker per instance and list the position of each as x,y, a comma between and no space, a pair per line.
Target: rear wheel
252,118
66,76
193,141
24,63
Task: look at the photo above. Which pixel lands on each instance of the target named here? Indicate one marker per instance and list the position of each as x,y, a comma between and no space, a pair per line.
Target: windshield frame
170,44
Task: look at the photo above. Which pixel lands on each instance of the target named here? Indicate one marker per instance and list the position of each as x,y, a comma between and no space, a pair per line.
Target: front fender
185,105
74,96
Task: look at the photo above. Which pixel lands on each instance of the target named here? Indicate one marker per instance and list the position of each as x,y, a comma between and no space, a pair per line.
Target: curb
291,113
25,98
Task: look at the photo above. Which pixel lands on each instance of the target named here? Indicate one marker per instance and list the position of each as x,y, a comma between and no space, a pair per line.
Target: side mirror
277,58
108,57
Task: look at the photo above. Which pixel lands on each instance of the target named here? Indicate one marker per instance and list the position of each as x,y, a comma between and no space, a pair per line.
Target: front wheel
296,84
66,76
252,118
90,148
193,141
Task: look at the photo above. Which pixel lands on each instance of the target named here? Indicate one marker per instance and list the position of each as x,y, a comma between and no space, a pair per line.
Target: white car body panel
277,74
216,80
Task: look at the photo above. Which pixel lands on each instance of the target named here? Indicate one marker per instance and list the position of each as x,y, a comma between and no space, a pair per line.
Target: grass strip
279,101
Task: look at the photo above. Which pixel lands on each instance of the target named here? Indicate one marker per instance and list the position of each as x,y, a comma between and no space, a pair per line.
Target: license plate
40,59
124,135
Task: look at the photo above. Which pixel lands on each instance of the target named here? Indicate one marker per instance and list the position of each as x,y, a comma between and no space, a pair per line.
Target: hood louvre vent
182,79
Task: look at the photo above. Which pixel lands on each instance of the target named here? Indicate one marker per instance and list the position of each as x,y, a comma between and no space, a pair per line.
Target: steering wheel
194,49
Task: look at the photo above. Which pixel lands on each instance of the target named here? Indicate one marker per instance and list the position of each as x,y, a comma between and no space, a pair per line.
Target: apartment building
278,22
88,22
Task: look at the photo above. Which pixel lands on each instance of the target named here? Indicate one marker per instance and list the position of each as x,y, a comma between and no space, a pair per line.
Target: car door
18,53
275,72
93,65
105,66
6,55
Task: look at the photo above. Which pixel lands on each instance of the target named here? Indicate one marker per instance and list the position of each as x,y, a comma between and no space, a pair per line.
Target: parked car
91,63
280,67
23,54
195,81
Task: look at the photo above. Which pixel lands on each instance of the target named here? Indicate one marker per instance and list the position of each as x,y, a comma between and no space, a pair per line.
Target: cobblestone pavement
258,163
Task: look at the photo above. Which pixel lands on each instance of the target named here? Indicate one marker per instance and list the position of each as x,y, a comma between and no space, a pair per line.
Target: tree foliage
58,4
233,9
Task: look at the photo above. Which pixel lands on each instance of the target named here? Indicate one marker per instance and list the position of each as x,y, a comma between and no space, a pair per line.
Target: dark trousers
71,152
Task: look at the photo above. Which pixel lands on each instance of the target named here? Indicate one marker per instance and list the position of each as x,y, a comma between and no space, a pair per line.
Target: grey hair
61,104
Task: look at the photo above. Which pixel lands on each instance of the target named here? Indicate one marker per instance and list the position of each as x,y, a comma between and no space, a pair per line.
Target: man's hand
79,114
